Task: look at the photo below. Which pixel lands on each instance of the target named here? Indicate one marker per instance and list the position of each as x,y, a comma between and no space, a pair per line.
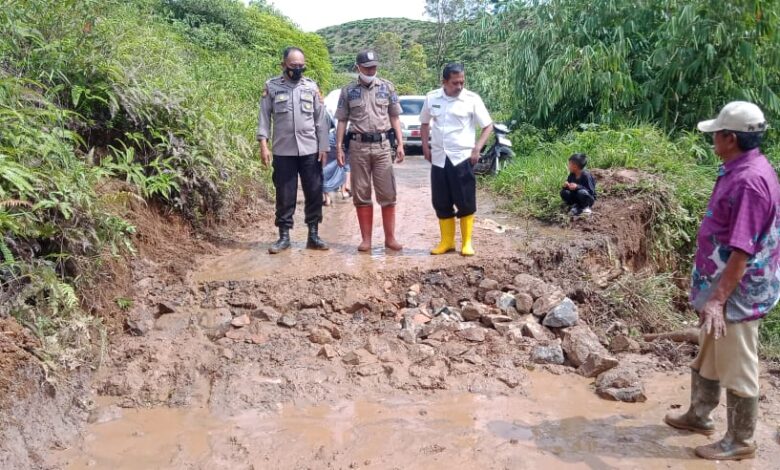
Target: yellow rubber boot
466,228
447,243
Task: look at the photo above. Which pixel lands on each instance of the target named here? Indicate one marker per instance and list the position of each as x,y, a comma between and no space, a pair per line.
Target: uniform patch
394,98
307,96
354,93
435,106
282,97
342,102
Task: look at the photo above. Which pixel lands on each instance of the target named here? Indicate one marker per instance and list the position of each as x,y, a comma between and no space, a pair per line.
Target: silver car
411,106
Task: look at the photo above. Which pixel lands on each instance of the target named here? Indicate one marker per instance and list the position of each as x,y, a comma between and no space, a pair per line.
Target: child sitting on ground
579,190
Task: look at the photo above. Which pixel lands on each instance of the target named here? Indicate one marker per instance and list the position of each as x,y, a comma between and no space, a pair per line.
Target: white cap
739,116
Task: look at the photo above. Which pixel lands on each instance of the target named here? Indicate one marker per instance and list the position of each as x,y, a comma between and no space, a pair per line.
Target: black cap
367,58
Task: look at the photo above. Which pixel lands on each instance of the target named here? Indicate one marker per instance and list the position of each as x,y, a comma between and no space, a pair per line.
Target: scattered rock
287,321
246,305
236,335
597,364
319,335
491,297
241,321
623,343
164,308
493,320
562,316
328,352
488,285
547,302
617,328
474,334
524,303
411,299
530,285
473,358
506,302
548,353
139,326
579,342
505,329
367,370
415,288
228,353
620,384
473,311
438,303
534,330
334,331
359,357
451,314
510,377
105,415
267,313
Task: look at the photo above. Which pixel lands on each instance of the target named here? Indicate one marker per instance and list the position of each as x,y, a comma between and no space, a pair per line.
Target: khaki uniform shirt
300,123
368,107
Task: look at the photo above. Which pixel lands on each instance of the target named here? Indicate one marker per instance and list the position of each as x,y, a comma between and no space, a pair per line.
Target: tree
448,14
388,46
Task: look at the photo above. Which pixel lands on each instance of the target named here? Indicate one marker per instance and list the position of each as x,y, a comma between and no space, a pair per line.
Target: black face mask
294,73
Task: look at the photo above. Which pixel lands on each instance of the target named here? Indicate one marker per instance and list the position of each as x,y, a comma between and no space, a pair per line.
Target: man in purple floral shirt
735,282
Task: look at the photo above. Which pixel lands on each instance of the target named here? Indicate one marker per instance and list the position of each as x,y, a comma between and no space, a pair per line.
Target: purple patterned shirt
744,214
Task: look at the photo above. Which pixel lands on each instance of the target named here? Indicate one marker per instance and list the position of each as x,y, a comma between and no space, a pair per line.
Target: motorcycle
498,155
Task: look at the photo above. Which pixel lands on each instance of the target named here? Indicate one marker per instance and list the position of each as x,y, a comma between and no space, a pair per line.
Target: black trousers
581,198
454,187
285,177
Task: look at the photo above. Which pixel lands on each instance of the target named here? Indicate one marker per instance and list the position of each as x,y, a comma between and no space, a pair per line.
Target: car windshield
411,107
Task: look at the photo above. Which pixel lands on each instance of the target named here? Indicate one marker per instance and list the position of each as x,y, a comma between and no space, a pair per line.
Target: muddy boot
365,215
282,243
388,223
447,243
314,242
738,442
466,229
705,395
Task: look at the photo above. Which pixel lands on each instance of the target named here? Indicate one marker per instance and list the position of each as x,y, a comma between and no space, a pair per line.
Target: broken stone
579,342
139,326
333,330
359,357
493,320
628,394
241,321
617,328
164,308
505,328
367,370
548,353
510,377
547,302
319,335
246,305
506,302
623,343
236,335
530,285
562,316
597,364
451,314
491,297
408,336
620,384
287,321
488,285
309,301
228,353
473,311
105,415
415,288
438,303
328,352
474,334
421,352
267,313
524,303
256,339
411,299
534,330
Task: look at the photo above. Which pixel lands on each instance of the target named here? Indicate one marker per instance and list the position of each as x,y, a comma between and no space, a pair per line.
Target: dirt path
339,360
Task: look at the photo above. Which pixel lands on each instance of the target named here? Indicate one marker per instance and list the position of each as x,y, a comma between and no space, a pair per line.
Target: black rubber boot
314,242
705,395
282,243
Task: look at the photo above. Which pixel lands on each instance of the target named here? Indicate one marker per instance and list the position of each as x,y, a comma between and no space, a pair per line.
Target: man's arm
264,126
341,129
395,122
712,315
425,135
322,127
483,138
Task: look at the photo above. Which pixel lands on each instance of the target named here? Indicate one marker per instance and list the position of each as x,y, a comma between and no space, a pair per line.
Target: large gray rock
506,302
579,342
524,303
473,311
597,364
548,353
487,285
530,285
562,316
534,330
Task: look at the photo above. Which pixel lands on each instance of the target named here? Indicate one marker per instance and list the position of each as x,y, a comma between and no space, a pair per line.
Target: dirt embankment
224,328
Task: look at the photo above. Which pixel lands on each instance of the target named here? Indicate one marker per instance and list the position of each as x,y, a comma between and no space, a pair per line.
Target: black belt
369,137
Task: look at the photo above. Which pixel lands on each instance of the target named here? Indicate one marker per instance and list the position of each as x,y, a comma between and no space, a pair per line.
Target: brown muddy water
557,422
416,228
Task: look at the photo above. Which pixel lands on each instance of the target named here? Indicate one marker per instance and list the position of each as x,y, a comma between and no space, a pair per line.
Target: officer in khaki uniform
292,104
371,105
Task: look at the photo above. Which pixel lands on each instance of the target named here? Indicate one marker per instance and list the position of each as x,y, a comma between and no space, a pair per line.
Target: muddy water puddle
416,228
556,422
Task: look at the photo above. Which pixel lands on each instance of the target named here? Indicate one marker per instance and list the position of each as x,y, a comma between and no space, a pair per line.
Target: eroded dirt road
340,360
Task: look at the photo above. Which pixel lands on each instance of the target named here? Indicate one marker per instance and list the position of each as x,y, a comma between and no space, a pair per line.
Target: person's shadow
588,441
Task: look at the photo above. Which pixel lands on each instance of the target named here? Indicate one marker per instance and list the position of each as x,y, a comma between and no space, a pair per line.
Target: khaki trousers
731,359
372,163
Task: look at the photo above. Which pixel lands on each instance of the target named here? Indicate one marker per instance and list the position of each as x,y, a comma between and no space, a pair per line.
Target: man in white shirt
449,120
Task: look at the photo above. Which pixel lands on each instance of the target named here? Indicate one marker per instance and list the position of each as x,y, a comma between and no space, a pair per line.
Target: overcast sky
312,15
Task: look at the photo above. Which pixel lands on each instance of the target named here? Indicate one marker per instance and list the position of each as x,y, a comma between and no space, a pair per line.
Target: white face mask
366,78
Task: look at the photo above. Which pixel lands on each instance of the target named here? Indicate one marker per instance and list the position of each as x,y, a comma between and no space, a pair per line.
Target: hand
400,154
712,318
474,156
265,156
427,153
340,158
323,158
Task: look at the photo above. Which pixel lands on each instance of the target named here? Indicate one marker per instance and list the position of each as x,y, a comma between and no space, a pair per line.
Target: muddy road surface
392,360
